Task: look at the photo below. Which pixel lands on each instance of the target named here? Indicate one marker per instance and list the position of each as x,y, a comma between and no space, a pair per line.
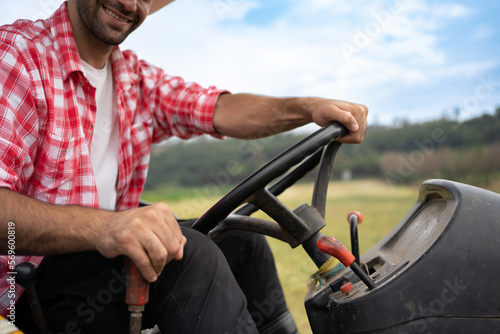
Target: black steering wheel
294,227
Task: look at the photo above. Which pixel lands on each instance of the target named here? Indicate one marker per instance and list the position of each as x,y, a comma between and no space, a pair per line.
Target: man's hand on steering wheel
352,115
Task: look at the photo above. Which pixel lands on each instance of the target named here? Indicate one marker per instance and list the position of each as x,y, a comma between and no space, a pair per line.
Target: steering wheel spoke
323,178
293,226
252,224
286,181
281,214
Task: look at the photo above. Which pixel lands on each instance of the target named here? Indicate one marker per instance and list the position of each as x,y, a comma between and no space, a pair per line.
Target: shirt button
141,128
93,124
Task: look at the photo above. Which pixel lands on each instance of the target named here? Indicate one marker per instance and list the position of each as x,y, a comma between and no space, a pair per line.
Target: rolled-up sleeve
179,108
18,120
186,109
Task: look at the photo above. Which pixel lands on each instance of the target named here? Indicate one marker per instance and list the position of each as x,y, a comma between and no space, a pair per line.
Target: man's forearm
44,229
150,236
249,116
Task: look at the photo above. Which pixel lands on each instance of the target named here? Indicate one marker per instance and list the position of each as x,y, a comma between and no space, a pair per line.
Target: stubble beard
90,17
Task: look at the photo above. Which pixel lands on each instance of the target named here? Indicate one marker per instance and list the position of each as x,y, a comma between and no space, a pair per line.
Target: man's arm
248,116
149,236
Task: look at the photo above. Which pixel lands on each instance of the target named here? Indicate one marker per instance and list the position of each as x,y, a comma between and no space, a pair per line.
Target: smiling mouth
116,17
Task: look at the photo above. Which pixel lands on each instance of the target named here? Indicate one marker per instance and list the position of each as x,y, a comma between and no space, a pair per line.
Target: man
77,120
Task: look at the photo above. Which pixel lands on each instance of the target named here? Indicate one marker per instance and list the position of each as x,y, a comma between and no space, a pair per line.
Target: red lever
335,248
137,295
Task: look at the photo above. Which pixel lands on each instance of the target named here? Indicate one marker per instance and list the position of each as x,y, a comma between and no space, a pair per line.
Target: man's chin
117,38
113,39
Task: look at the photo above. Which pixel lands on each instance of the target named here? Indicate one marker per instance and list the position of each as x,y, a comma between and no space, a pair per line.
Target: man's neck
92,50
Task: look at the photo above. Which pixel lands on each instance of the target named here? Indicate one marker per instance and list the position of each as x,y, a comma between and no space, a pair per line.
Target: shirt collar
64,41
122,76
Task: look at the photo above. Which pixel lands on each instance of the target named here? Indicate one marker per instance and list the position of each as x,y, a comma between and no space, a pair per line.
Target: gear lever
354,219
335,248
137,295
26,277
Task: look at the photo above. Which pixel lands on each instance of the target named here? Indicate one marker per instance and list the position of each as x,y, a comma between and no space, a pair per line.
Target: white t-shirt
105,141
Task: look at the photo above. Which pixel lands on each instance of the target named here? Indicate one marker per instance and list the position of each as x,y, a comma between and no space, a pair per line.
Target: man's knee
199,291
200,250
245,250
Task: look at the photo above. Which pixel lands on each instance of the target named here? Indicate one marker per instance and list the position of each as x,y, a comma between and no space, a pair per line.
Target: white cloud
482,32
450,10
233,9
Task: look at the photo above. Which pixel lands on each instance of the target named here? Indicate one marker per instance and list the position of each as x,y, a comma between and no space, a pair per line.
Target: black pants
205,292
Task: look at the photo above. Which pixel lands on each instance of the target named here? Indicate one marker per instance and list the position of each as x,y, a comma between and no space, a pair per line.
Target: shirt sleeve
185,108
18,120
181,109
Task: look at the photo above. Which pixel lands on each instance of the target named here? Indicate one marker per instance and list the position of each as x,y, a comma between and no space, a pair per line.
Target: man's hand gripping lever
137,295
150,237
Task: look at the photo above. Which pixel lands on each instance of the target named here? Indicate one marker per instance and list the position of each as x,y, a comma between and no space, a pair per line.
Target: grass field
382,205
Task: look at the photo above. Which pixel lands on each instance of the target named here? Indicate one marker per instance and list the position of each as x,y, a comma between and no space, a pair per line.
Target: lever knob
357,214
335,248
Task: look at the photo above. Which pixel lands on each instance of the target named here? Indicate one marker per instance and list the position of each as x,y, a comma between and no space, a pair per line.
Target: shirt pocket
58,162
141,135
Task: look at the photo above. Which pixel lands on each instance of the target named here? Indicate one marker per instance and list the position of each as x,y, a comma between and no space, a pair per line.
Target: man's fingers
161,252
351,115
170,238
151,256
157,253
348,120
151,237
141,259
354,119
354,127
180,253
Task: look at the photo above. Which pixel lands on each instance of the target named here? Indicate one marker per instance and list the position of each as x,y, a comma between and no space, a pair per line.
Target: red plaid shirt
47,113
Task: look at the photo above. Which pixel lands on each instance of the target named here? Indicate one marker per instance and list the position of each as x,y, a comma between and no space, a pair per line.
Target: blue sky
409,59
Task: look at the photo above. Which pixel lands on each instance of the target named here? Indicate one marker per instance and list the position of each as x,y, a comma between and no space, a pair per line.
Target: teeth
114,16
